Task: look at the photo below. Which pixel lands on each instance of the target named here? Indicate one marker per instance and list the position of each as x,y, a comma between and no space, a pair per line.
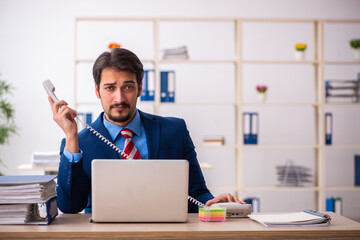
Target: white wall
37,43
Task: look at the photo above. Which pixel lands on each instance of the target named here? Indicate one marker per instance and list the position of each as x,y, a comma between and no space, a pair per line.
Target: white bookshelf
235,56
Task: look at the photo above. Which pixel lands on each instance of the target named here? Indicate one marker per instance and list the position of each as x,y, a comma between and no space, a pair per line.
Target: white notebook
295,218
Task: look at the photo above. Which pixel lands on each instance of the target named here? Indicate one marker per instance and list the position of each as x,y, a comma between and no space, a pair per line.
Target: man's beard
119,119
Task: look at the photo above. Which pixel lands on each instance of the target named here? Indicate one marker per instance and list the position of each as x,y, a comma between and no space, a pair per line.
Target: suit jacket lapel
152,130
98,125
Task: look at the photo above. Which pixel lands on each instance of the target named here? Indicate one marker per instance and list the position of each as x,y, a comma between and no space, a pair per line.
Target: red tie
129,147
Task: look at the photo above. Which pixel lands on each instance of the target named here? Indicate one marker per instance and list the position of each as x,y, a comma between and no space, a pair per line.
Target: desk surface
77,226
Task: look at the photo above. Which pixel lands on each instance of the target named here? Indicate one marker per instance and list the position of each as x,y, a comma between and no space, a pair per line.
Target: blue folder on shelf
334,205
167,86
85,118
250,128
357,170
148,91
330,204
255,202
328,128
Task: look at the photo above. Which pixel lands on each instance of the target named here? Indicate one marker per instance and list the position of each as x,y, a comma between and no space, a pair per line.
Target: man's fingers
225,197
55,106
67,112
50,100
236,199
229,197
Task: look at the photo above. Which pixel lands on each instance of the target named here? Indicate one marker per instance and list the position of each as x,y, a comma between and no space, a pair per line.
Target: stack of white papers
13,213
27,199
290,219
27,189
176,53
45,159
31,193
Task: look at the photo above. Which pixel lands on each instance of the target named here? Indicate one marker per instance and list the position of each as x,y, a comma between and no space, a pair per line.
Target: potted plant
261,93
7,124
355,45
300,51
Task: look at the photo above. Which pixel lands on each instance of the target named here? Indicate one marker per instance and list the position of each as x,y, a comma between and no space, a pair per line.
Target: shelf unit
318,104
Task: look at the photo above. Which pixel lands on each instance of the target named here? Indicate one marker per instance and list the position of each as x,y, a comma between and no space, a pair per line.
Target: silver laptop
139,190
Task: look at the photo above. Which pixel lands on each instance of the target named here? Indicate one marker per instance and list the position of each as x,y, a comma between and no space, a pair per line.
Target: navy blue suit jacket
167,138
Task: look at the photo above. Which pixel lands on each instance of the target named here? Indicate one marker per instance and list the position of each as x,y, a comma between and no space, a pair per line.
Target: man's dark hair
119,59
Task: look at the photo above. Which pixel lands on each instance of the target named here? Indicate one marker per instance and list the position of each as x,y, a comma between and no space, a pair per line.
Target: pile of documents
343,90
293,175
304,218
45,159
27,199
176,53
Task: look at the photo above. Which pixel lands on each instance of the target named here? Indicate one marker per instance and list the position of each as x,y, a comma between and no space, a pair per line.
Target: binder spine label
151,85
171,86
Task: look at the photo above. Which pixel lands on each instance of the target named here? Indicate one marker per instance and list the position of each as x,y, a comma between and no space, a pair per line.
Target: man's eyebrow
130,81
114,83
109,84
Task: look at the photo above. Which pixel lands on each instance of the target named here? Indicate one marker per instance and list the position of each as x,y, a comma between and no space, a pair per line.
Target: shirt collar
134,125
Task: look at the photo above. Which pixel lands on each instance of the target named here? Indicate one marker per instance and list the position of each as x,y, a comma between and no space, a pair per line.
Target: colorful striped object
212,214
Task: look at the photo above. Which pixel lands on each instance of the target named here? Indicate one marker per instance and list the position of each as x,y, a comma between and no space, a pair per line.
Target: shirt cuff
73,157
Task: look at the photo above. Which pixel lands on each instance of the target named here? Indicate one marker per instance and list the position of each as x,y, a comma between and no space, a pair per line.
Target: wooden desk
77,226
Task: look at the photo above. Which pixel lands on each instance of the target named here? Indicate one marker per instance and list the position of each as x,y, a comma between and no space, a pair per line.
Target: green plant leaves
7,122
355,43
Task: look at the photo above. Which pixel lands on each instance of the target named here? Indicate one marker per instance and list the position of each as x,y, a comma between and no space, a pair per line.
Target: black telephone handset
50,90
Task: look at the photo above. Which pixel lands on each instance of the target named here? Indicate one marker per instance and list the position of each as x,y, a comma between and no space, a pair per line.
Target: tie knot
127,133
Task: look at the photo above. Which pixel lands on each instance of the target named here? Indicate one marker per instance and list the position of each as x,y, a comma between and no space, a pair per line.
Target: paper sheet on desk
297,218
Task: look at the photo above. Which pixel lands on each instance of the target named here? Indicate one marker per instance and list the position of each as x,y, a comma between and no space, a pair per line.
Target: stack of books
176,53
28,199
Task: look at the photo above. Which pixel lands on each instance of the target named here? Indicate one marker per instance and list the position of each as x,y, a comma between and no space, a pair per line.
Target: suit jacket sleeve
197,185
73,185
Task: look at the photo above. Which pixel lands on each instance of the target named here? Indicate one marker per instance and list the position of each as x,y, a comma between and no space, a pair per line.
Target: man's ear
140,89
97,91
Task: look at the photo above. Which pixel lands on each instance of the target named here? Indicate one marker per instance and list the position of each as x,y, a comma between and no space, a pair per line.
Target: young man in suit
118,83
